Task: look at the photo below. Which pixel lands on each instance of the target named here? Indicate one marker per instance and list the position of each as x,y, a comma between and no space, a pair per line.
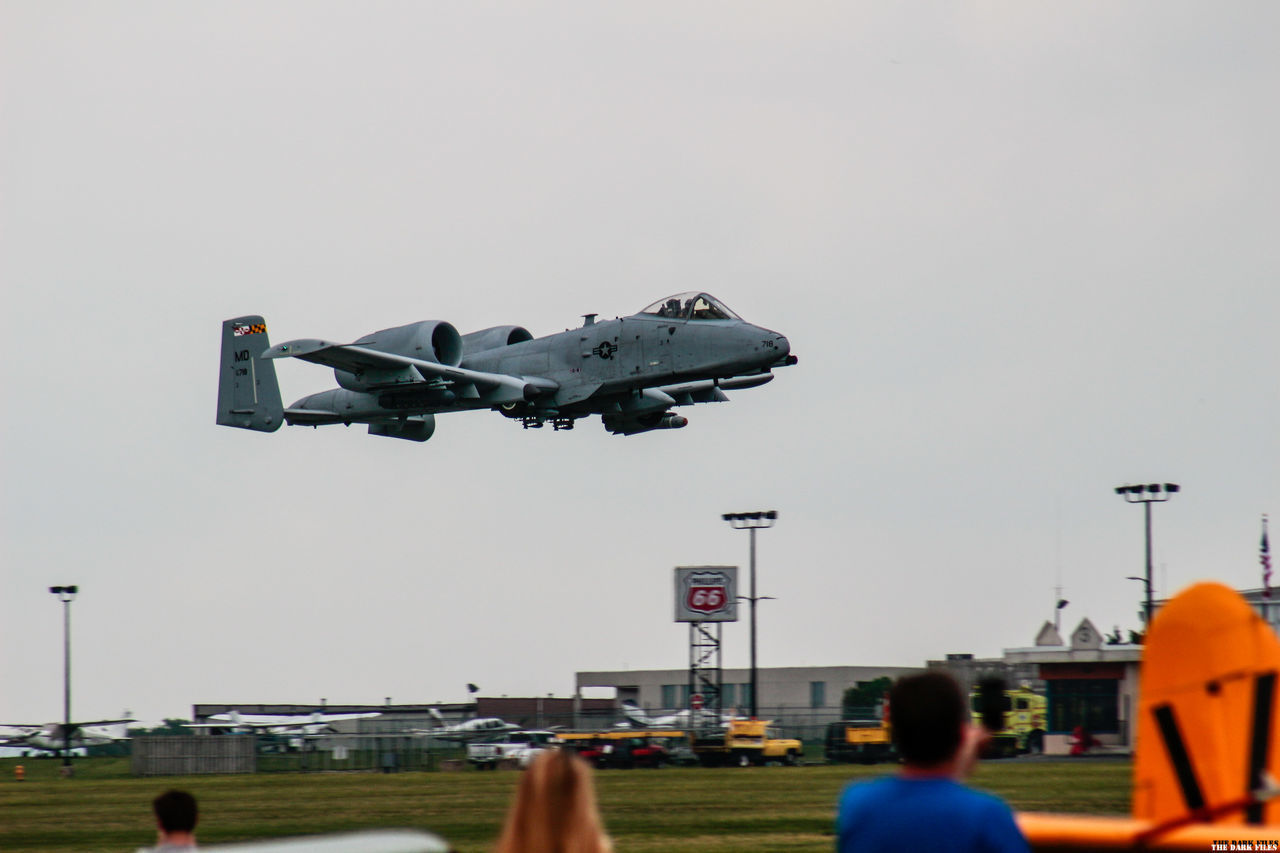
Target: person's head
555,808
927,713
175,811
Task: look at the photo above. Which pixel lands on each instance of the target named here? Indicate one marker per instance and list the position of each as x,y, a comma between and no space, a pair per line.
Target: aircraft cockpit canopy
691,306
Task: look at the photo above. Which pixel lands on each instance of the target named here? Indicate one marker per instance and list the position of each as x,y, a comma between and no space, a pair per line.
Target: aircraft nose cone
783,345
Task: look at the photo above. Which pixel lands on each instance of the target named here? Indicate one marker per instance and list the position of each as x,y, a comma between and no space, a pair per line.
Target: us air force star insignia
605,350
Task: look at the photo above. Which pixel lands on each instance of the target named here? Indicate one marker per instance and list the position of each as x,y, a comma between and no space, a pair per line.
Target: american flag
1264,556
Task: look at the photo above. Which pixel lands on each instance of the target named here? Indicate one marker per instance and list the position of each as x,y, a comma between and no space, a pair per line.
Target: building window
726,697
1088,702
817,694
669,696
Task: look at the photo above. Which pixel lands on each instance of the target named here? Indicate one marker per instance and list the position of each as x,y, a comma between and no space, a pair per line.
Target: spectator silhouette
925,806
555,809
176,816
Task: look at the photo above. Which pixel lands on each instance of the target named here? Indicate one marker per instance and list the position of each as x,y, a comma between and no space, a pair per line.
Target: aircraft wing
289,719
281,722
391,367
440,734
16,734
363,715
244,724
455,734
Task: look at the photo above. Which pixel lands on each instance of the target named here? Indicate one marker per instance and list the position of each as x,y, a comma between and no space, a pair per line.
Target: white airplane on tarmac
316,723
466,730
52,737
679,720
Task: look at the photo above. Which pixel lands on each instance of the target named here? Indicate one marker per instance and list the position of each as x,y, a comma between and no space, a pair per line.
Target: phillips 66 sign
707,594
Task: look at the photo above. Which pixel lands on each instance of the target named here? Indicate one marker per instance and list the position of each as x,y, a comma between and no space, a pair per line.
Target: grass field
674,809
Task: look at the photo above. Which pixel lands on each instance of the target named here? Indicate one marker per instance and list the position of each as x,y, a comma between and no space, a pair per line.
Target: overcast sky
1024,252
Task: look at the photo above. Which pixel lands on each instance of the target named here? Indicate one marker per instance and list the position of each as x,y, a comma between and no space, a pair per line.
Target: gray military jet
685,349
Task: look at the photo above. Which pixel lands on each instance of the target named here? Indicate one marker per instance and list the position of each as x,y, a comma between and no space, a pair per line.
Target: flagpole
1264,557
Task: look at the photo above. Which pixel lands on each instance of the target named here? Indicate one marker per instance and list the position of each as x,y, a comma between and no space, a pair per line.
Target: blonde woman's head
555,809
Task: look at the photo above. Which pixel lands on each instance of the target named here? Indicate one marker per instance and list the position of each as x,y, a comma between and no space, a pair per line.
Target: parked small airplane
316,723
685,349
678,720
466,730
52,737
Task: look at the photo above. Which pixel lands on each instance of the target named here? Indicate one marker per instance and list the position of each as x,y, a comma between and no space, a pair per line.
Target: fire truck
1024,722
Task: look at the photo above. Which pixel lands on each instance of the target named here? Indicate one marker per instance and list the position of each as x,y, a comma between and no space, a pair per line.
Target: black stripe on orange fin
1264,693
1177,749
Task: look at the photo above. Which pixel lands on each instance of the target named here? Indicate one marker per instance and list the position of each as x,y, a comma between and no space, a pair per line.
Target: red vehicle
620,750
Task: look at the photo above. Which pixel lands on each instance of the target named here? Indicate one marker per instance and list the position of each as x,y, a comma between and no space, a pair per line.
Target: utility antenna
1058,601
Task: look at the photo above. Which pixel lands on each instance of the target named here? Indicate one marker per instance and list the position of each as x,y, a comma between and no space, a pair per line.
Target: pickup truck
522,746
746,742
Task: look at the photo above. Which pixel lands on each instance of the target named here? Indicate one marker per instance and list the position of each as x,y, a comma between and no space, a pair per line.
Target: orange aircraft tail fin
1207,724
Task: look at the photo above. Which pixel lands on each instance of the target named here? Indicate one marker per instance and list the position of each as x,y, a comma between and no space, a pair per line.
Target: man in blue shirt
925,807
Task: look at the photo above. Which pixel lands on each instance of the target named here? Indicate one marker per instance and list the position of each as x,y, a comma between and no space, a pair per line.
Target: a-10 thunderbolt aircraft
685,349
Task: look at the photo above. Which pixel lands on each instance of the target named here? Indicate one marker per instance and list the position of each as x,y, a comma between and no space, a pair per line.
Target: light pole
752,521
1135,495
66,594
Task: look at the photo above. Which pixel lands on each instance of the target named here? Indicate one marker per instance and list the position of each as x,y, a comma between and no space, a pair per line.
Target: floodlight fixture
1155,493
66,594
753,521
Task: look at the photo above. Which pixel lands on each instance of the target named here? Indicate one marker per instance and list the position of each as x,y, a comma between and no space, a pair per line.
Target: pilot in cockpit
690,306
700,309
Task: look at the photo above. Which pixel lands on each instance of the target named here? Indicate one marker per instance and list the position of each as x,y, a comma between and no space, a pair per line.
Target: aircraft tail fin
633,713
248,394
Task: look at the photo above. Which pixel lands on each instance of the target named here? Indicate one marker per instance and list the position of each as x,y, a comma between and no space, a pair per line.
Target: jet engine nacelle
494,338
428,340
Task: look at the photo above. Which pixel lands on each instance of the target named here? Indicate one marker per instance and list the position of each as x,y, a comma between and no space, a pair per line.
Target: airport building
1267,603
1088,684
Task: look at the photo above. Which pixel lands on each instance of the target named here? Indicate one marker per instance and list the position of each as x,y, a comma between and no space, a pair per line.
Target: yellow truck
864,741
746,742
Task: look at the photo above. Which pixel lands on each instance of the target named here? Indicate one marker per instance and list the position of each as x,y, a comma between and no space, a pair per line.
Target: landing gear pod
418,428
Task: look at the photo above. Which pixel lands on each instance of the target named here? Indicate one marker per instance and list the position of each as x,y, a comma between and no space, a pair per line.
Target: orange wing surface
1052,833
